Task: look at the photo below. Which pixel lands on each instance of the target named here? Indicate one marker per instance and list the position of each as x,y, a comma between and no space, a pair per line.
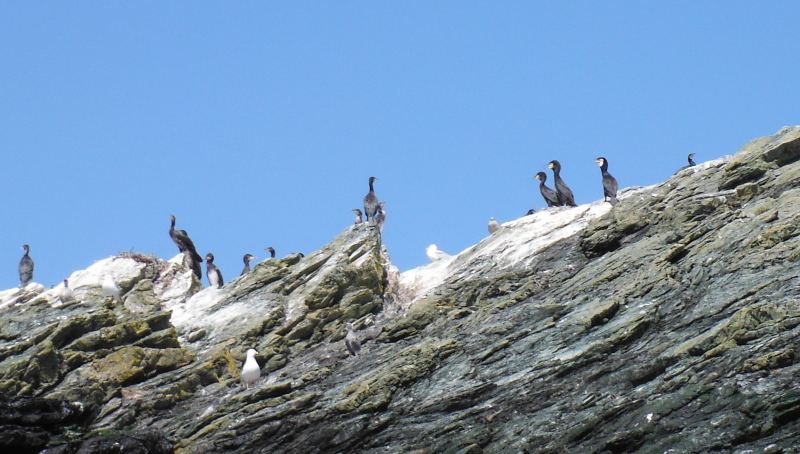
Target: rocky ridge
666,324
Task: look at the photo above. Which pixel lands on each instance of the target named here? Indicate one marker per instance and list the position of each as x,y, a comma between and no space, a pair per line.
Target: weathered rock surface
669,323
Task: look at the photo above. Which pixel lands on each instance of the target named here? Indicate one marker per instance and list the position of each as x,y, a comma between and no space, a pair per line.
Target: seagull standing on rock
65,293
493,225
435,254
110,288
251,370
351,340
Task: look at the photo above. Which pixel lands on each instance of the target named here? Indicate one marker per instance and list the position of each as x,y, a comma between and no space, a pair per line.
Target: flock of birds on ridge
376,217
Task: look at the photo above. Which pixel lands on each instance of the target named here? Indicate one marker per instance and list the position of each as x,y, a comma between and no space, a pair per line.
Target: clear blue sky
258,123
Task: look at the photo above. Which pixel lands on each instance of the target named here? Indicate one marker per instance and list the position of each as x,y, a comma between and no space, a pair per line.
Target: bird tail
614,201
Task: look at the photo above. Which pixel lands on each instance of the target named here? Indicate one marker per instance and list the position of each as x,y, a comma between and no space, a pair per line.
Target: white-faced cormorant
271,252
182,240
25,267
609,182
250,371
359,215
213,273
563,192
435,254
493,225
110,288
549,195
351,340
380,217
371,203
247,259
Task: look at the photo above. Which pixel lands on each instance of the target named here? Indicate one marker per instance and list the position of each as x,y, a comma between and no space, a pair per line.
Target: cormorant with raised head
380,218
351,340
271,252
182,240
247,259
358,213
550,196
565,197
609,182
213,273
493,225
691,159
25,267
371,203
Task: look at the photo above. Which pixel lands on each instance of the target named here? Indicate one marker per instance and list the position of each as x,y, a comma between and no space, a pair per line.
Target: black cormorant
371,203
609,182
25,267
493,225
358,213
563,192
213,273
380,218
351,340
182,240
192,264
691,159
271,252
247,258
550,196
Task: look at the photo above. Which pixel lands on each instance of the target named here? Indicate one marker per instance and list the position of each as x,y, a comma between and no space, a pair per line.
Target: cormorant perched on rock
493,225
251,370
351,340
609,182
358,213
192,264
247,259
65,293
380,218
691,163
182,240
435,254
371,203
110,288
550,196
25,267
213,273
271,252
565,197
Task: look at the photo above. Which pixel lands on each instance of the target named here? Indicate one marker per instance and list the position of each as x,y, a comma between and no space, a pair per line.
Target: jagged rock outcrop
668,323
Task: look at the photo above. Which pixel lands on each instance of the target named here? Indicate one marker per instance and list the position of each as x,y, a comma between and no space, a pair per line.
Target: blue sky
258,123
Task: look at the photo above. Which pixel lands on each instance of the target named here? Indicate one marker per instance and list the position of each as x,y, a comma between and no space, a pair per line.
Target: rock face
666,324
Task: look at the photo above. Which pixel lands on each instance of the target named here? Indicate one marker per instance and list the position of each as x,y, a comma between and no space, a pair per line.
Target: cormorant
25,267
251,370
550,196
493,225
213,273
192,264
247,258
609,182
691,159
530,212
110,288
351,340
271,252
380,218
371,203
358,213
182,240
435,254
565,197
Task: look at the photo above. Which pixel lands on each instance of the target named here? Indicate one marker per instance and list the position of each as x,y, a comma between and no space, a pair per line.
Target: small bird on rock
493,225
435,254
251,370
110,288
351,340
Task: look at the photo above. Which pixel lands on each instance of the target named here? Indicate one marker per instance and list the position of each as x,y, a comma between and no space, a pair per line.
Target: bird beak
550,166
536,177
599,162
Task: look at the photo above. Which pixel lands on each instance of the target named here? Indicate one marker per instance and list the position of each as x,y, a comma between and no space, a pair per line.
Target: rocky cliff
666,324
